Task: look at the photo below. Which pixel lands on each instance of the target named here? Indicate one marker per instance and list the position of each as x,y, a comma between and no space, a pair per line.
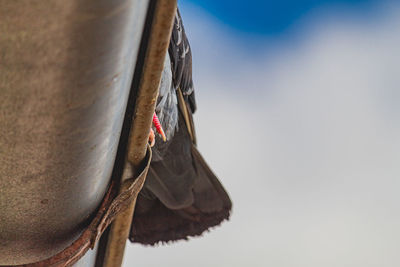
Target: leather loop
112,204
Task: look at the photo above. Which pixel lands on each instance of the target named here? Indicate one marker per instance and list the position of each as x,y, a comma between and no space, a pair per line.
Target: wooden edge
161,24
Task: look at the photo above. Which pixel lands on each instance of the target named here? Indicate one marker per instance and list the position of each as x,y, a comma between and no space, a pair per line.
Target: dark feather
181,197
181,60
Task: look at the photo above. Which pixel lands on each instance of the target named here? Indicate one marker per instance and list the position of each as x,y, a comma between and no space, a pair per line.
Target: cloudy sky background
299,117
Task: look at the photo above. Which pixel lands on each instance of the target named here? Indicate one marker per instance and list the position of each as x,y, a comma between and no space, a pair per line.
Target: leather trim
112,204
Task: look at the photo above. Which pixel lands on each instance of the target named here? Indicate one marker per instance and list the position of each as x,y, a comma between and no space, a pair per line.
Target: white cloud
304,134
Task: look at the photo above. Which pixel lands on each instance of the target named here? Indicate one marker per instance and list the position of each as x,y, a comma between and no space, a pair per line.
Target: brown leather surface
66,70
112,205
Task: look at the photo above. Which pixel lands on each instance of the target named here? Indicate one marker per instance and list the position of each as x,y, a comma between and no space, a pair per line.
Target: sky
298,115
272,17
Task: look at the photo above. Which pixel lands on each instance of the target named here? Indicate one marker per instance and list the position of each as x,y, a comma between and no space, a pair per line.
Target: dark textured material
182,197
154,222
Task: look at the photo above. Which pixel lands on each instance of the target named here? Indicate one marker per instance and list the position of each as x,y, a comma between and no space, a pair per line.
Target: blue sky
272,17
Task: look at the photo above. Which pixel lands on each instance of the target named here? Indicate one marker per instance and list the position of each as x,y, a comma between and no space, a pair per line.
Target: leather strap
112,204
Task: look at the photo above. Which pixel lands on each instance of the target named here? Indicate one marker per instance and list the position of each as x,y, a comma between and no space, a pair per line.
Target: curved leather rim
110,207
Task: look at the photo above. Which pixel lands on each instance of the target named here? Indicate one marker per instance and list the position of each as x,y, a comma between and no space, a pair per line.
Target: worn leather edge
111,206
